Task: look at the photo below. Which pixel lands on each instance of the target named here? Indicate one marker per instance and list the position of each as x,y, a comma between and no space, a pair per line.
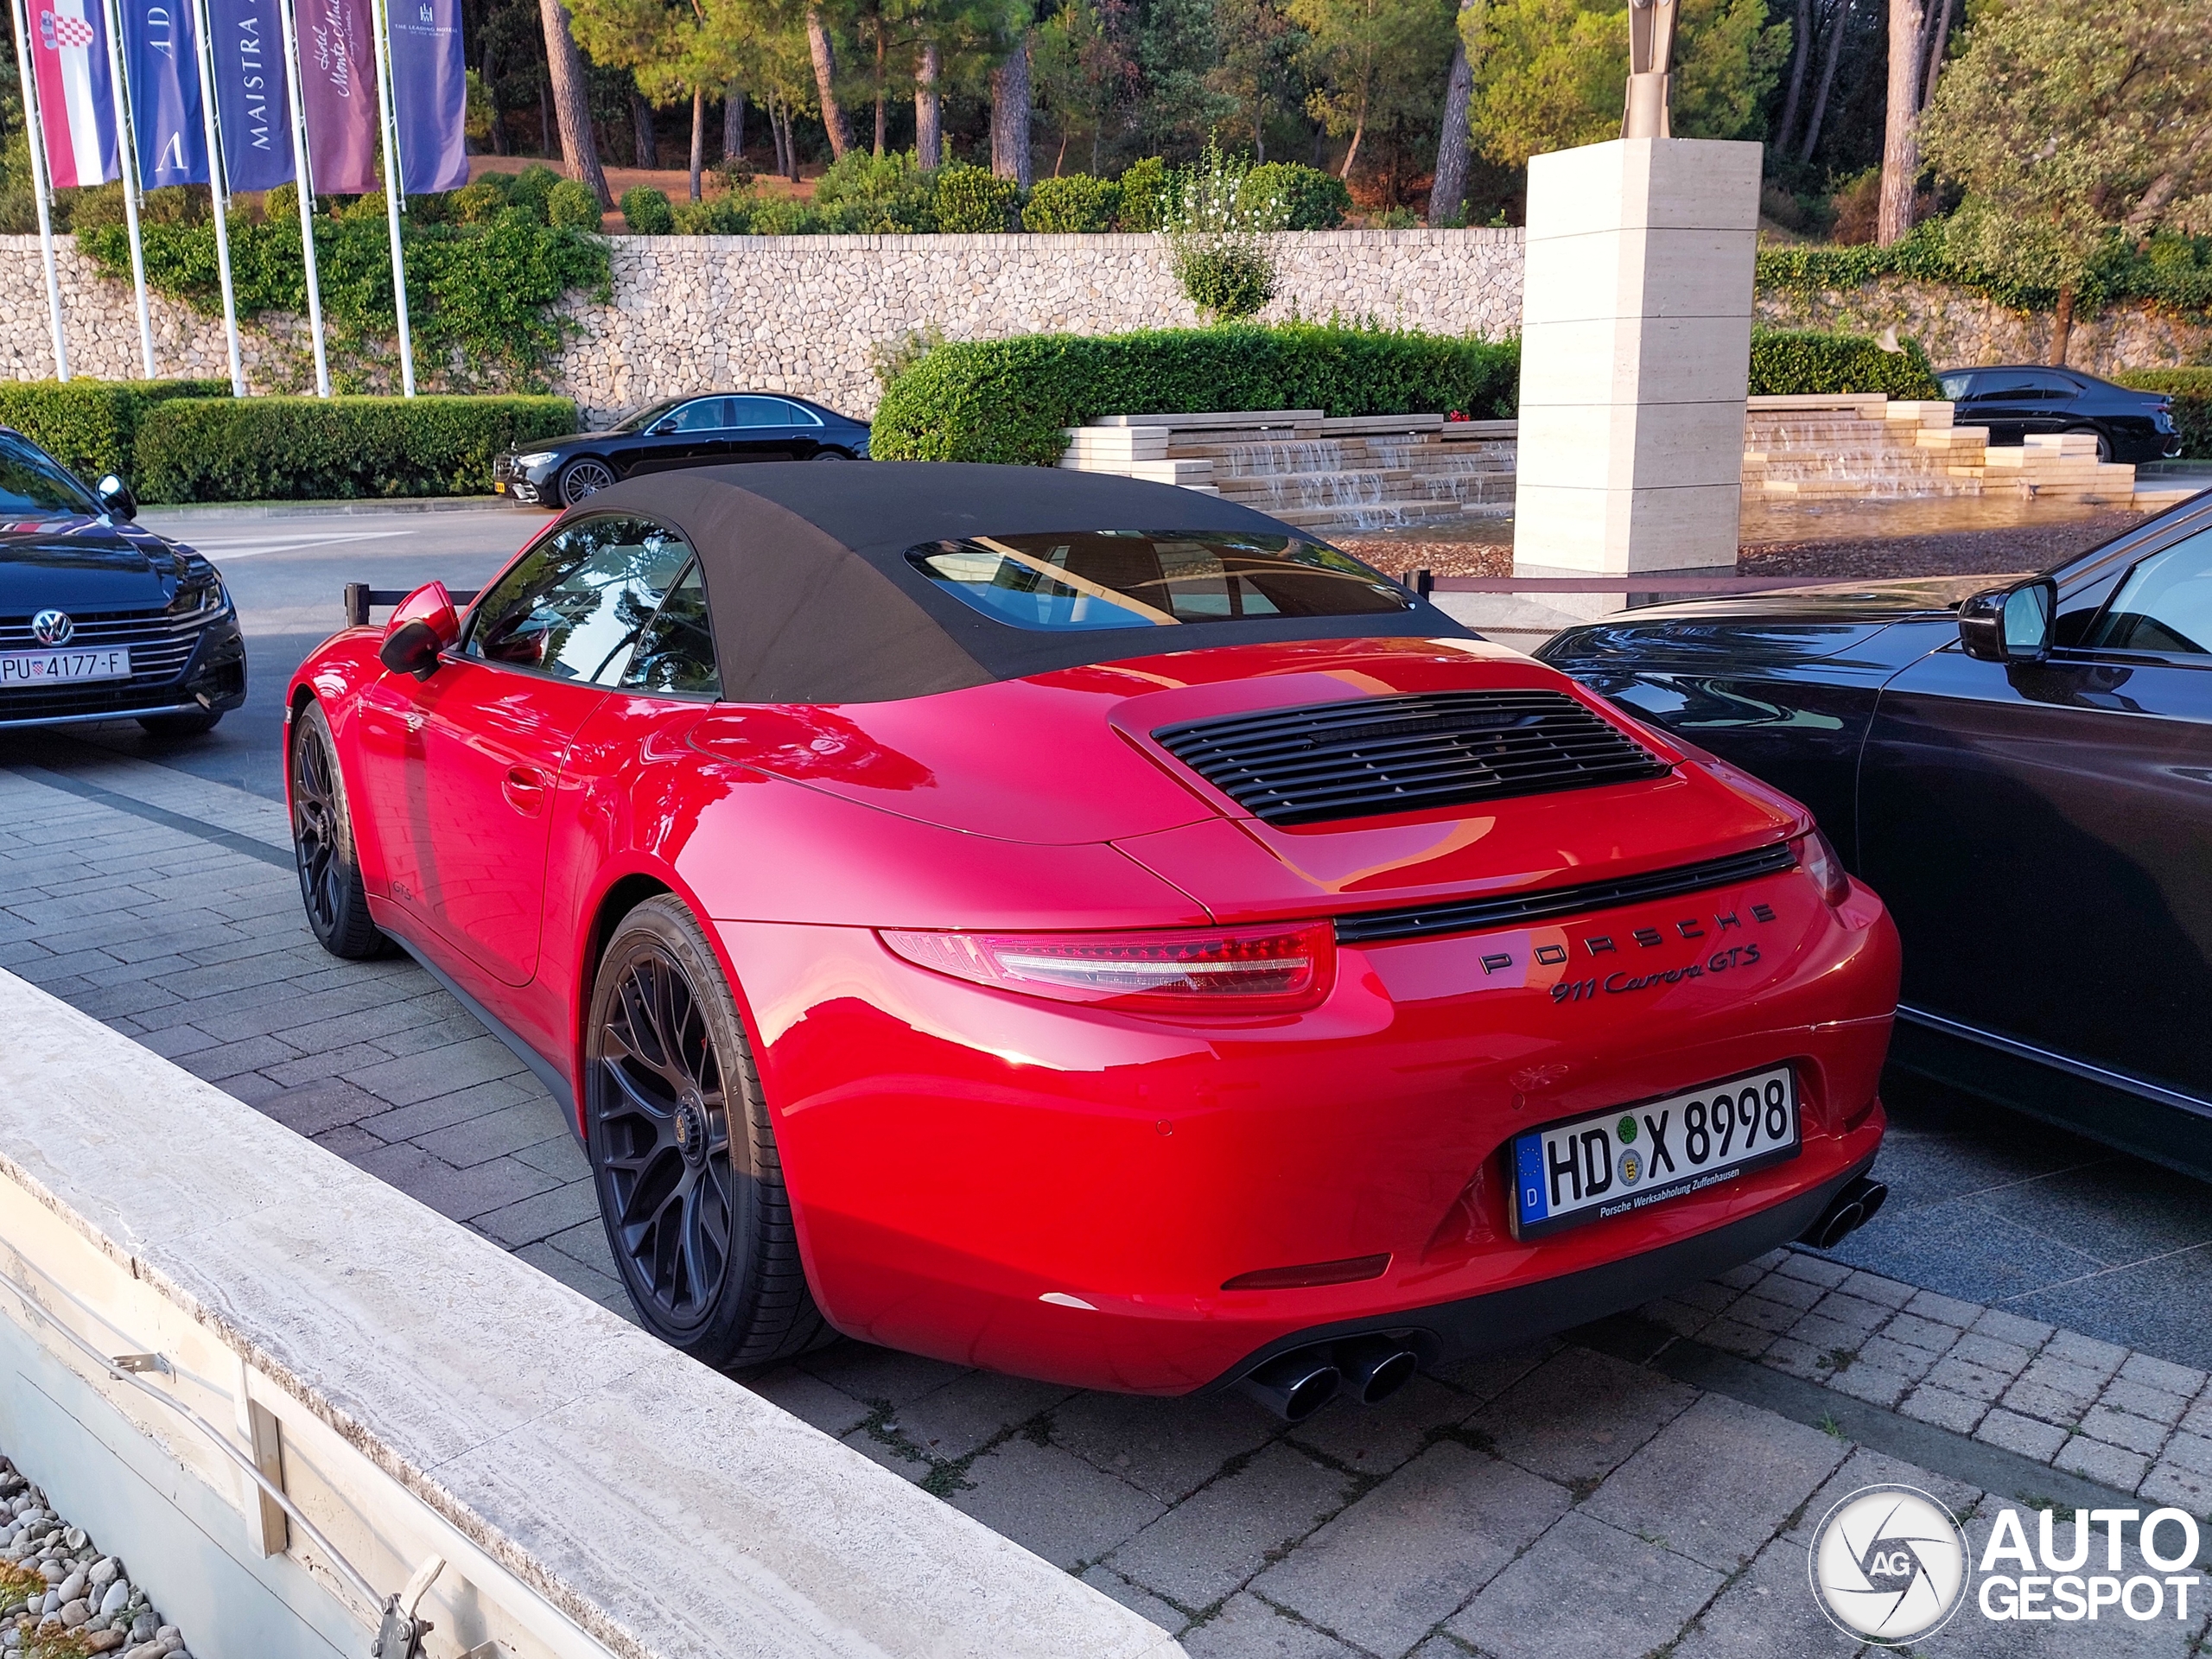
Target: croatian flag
76,102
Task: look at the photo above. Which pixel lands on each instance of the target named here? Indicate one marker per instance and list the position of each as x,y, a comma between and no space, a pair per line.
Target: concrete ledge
593,1490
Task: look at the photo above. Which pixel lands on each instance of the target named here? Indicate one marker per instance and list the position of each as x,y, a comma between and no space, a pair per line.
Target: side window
760,412
677,650
703,415
575,606
1955,385
2011,384
2165,605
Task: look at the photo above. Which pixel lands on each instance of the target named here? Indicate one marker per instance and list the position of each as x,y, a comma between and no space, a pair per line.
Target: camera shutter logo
52,628
1889,1565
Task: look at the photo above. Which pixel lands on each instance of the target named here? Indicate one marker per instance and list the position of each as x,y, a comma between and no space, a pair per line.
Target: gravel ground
60,1598
1846,552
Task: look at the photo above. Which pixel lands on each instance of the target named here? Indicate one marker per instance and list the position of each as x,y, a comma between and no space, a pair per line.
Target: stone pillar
1635,337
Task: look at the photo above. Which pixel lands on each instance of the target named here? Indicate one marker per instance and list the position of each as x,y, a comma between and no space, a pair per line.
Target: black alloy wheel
582,477
831,455
186,725
2104,443
331,888
683,1153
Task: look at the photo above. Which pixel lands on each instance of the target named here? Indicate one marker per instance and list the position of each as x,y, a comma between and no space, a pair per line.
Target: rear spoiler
359,597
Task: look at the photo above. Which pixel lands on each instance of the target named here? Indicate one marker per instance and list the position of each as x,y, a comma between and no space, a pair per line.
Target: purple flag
337,83
161,58
251,97
429,86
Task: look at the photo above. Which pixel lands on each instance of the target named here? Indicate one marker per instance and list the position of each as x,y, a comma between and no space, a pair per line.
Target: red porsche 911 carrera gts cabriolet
1085,928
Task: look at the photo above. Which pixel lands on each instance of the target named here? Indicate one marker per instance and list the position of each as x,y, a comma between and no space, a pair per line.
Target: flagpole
126,148
303,176
219,192
388,118
40,189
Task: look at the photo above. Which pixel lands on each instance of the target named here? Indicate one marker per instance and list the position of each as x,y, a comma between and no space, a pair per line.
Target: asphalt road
286,571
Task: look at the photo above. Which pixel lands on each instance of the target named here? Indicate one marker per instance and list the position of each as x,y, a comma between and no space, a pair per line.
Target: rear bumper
1065,1193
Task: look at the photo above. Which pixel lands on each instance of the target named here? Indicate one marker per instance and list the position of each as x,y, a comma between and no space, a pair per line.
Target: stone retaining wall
811,314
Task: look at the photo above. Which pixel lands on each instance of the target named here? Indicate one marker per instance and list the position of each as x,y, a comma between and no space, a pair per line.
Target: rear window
1135,578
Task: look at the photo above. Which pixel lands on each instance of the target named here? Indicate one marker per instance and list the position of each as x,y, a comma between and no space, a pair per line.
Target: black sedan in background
708,431
100,619
2014,402
2024,774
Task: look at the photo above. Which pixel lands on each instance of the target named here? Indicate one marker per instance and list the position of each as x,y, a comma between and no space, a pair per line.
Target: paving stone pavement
1557,1501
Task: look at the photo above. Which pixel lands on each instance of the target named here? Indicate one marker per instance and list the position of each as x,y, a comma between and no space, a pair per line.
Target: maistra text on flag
252,98
161,59
338,85
76,101
430,87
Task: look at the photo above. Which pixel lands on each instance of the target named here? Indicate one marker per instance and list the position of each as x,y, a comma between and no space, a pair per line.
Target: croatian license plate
54,667
498,486
1628,1158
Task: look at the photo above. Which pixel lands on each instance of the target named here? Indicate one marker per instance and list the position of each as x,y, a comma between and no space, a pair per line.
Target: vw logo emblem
51,628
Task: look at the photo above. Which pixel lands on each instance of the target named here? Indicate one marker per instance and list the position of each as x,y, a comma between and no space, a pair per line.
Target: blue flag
251,95
429,89
161,59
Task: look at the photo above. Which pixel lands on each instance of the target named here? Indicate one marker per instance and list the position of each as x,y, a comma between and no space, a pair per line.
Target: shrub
972,201
91,426
1792,364
882,195
474,204
1225,282
1077,203
1216,244
569,205
306,449
1310,200
646,212
533,189
2191,390
1148,191
1007,400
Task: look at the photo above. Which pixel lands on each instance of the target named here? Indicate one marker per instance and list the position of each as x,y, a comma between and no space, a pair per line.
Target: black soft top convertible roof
813,599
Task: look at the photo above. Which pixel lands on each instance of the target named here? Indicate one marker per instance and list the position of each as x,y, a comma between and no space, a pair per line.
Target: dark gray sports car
712,430
2021,768
100,619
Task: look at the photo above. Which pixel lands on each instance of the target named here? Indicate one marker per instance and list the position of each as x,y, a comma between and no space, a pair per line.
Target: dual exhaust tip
1370,1370
1297,1384
1851,1209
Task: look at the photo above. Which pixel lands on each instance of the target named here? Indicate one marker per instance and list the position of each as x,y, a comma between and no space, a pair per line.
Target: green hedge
91,426
307,449
1787,363
2191,390
1006,400
2169,269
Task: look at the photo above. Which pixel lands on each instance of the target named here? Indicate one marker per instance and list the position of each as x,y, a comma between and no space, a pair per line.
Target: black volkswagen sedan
709,431
2023,774
2015,402
100,619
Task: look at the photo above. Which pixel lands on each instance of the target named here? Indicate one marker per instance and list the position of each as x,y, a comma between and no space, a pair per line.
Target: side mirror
115,499
661,428
424,624
2010,624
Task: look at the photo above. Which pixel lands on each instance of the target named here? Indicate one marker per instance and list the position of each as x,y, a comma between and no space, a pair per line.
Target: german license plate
1628,1158
54,667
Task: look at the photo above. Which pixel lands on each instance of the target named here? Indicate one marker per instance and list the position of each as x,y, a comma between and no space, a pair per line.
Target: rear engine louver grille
1374,755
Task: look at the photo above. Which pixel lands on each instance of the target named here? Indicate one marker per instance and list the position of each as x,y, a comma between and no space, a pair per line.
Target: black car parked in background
100,619
2013,402
2024,774
708,431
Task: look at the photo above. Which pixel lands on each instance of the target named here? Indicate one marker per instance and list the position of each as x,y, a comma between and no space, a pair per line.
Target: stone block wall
810,313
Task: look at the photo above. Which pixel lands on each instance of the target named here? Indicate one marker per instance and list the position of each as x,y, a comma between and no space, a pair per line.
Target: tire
322,845
191,725
683,1153
2104,443
585,477
829,455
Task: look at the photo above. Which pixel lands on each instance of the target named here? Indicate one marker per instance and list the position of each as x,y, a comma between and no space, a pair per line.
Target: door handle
525,788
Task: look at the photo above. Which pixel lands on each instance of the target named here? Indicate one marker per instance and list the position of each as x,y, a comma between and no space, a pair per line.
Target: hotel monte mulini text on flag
76,101
160,60
338,85
252,98
429,93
